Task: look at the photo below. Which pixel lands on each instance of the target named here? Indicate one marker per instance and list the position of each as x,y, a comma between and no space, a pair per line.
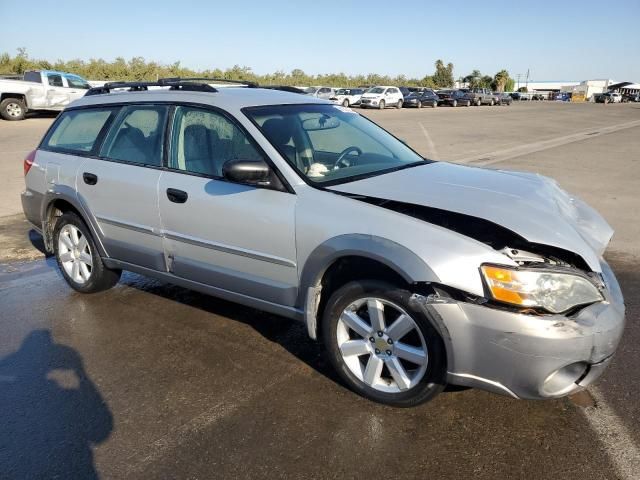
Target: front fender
391,254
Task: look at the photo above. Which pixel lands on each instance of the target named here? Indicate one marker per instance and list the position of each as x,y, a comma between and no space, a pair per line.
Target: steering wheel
343,154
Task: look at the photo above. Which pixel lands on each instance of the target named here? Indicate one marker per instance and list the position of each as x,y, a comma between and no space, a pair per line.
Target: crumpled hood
531,205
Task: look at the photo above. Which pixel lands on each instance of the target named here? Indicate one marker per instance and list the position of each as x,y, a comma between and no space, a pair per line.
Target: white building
544,86
589,88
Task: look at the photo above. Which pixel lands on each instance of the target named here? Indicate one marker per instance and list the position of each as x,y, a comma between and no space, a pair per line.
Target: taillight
28,161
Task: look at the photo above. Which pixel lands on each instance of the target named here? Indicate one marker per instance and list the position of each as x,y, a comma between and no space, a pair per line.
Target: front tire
13,109
381,105
434,104
78,258
454,103
383,347
345,103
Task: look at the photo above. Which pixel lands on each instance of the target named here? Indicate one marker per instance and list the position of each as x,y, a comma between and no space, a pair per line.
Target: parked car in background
538,97
320,92
424,98
413,273
503,98
39,90
455,98
347,96
562,97
630,97
382,97
405,91
480,96
612,97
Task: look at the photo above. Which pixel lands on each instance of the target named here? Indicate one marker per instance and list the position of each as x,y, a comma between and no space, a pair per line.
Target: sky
567,40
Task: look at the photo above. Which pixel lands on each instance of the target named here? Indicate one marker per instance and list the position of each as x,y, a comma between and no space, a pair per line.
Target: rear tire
454,103
478,103
434,104
419,103
345,103
78,258
12,109
492,103
399,104
381,105
384,376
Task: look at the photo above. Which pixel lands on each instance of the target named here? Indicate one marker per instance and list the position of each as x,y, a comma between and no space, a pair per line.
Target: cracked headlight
553,291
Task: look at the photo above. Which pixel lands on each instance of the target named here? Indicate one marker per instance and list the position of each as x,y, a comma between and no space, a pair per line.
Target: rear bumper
31,206
531,357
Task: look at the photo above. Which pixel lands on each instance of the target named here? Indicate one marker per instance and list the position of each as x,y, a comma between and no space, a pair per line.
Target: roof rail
196,84
208,80
172,83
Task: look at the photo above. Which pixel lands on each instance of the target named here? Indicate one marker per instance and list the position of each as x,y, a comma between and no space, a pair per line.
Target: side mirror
249,172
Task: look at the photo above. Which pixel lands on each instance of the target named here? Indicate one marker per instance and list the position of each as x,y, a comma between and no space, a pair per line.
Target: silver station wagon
414,274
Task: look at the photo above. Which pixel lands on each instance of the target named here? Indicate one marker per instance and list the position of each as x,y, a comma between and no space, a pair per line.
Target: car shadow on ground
289,334
51,413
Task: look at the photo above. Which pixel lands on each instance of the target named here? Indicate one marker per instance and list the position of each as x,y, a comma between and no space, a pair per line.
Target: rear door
119,185
234,237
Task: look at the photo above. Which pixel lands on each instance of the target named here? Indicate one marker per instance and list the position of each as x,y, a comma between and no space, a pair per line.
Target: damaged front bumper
527,356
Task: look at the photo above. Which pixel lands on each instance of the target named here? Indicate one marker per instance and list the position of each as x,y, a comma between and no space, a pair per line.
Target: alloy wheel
382,345
74,254
14,109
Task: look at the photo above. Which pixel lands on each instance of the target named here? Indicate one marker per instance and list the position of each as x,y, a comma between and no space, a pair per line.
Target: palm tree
501,78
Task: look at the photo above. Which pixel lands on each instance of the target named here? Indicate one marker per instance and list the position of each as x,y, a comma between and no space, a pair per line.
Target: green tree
509,85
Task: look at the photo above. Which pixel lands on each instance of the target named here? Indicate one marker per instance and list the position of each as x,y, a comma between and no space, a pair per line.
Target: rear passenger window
203,141
77,130
137,135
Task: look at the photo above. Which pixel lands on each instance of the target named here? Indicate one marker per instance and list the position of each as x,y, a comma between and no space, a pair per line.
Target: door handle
177,196
89,178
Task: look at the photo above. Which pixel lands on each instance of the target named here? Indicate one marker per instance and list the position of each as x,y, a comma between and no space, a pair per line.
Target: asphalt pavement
150,380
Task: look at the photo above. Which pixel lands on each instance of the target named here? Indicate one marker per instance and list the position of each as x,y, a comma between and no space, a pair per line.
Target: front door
234,237
120,188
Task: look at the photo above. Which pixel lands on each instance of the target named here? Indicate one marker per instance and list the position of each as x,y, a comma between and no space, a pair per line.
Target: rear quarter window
77,130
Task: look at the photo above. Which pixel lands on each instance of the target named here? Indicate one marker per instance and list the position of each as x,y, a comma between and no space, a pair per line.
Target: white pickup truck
39,90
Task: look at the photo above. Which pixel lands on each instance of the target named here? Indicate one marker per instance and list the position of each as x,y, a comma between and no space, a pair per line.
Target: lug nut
388,352
380,333
377,351
372,340
390,342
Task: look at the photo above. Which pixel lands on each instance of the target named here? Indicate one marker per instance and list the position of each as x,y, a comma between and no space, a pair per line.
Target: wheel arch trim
397,257
69,195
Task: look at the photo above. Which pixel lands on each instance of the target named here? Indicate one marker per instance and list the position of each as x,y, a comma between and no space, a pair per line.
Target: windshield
376,90
342,91
329,144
